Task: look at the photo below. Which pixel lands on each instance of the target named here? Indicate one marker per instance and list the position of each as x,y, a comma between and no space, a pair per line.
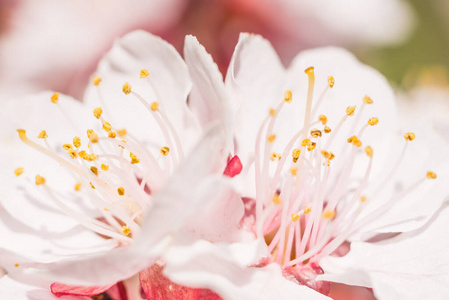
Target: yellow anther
154,106
369,151
288,96
16,265
296,153
40,180
327,129
355,141
276,199
272,112
134,159
352,139
431,175
121,191
72,153
121,132
362,198
295,217
126,230
22,134
329,214
307,210
306,142
293,171
55,98
275,156
67,147
18,171
322,119
96,80
311,146
309,70
76,142
126,88
330,81
315,133
409,136
373,121
94,170
367,100
104,167
93,137
112,134
350,110
271,138
328,155
78,186
82,154
97,112
91,185
325,154
144,73
107,126
88,157
42,135
164,151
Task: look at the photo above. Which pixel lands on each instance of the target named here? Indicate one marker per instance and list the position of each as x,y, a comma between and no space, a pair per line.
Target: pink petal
61,289
158,287
248,221
349,292
306,275
118,292
234,167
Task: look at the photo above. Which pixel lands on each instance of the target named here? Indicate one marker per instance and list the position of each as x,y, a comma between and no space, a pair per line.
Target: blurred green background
424,57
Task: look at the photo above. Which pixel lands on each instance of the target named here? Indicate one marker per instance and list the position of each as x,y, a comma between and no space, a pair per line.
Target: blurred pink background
53,44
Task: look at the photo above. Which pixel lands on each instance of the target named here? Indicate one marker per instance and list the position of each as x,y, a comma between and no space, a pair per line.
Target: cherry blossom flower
307,164
139,177
327,169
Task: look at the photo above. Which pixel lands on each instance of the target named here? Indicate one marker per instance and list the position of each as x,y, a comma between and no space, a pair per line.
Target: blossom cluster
168,182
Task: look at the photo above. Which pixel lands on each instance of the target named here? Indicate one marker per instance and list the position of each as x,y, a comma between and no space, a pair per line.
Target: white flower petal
416,207
11,289
253,80
62,122
412,265
172,207
209,98
182,198
220,267
218,217
101,268
168,84
353,81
